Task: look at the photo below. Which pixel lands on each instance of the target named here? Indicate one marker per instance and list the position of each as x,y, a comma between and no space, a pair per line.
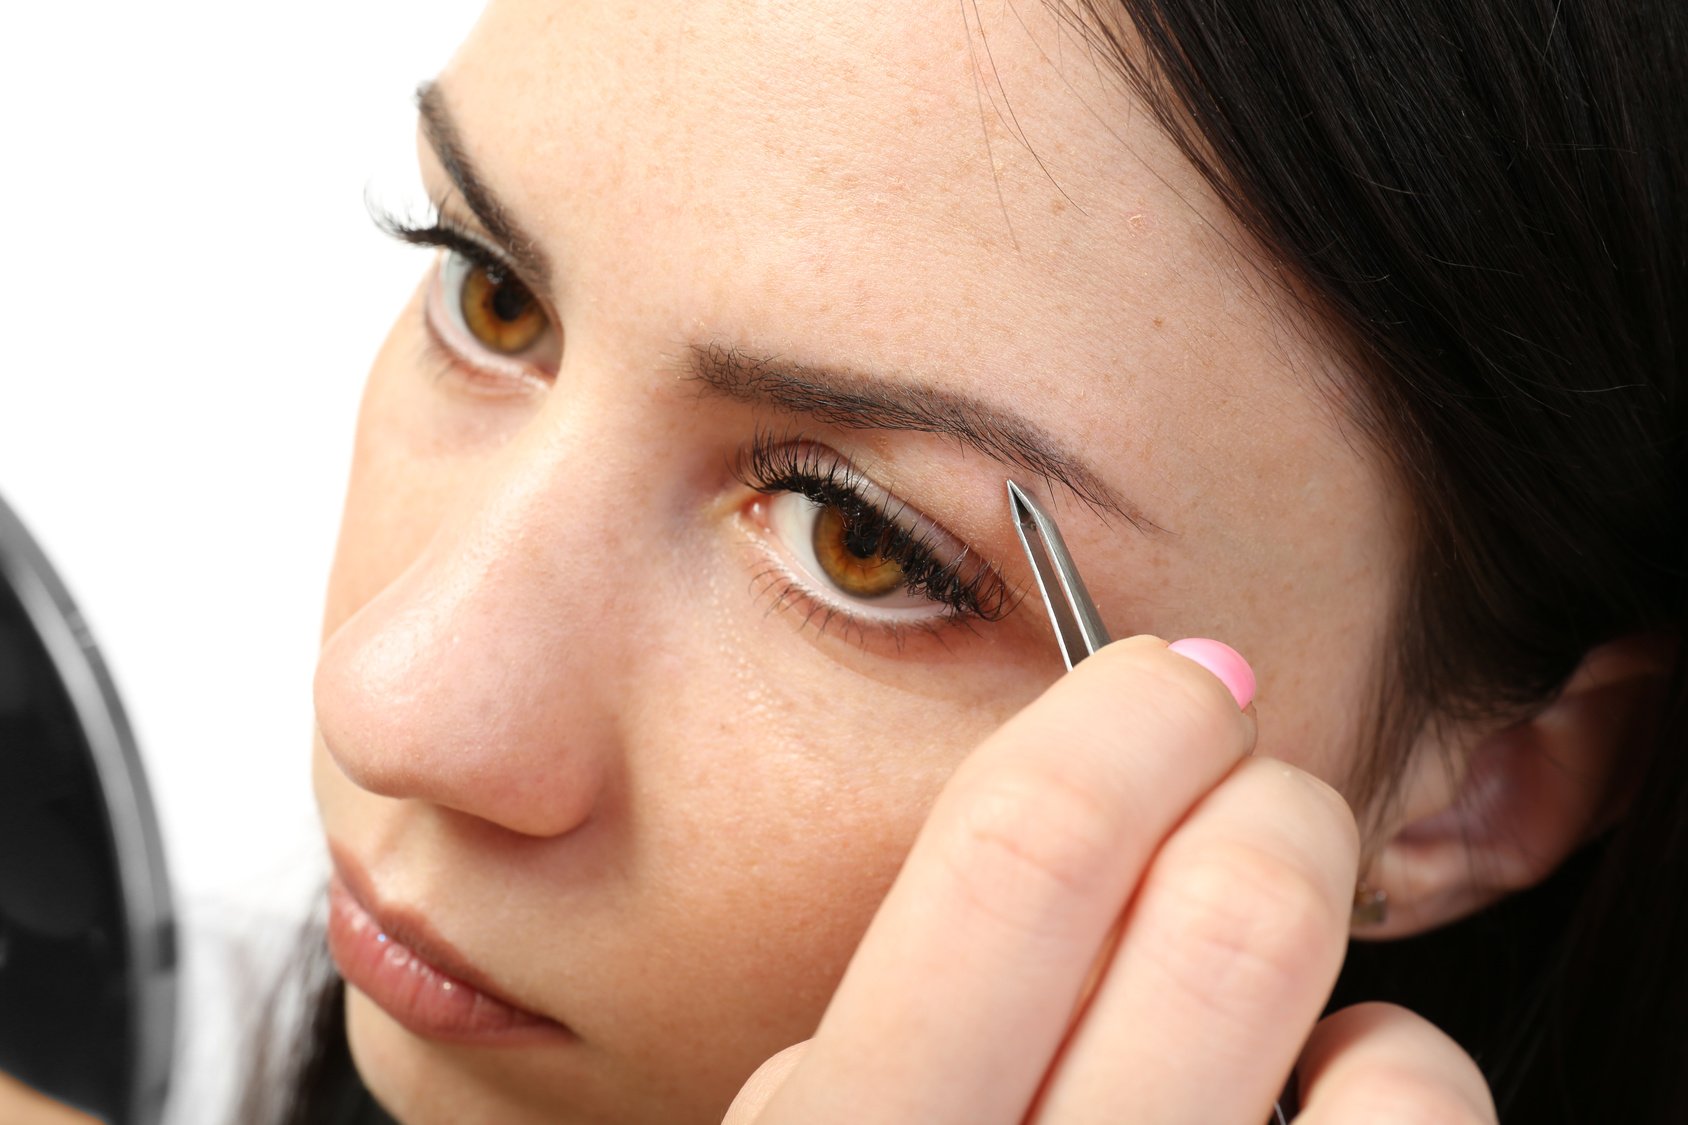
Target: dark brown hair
1484,201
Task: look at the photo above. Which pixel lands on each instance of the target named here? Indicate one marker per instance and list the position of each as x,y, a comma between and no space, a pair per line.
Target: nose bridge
477,678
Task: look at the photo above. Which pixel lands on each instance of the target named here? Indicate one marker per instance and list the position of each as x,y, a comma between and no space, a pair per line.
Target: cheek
429,1086
772,796
762,785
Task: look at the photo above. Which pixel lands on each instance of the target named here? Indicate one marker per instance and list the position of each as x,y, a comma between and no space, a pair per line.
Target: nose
481,677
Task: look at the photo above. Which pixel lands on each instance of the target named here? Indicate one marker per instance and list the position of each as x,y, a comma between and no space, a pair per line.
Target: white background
190,296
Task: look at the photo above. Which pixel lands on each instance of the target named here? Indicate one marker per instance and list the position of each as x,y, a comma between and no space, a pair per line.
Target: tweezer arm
1078,627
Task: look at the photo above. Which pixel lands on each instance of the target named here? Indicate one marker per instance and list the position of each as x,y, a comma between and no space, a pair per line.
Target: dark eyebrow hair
857,401
849,399
443,137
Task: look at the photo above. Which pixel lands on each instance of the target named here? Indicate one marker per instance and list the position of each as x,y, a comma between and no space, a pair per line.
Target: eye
852,552
497,310
490,320
848,550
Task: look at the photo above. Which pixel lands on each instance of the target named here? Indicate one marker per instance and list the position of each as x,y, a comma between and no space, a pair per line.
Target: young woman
680,682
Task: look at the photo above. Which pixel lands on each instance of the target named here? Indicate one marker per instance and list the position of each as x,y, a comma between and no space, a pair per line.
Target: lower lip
423,999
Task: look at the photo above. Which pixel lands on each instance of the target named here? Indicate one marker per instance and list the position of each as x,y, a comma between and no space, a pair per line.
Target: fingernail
1223,661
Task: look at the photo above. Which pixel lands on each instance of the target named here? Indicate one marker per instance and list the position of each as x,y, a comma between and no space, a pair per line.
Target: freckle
1056,206
1160,322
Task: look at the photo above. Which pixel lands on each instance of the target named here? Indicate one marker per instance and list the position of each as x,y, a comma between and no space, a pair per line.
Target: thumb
754,1095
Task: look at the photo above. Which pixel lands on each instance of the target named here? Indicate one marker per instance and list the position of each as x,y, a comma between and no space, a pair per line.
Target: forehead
956,197
982,207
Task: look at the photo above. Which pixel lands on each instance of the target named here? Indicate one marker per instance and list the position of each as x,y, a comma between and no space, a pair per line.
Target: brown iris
852,553
500,311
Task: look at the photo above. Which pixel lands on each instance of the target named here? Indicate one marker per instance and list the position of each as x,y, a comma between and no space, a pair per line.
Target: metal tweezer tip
1078,627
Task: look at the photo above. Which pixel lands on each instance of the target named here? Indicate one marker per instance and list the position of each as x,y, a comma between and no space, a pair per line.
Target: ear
1526,798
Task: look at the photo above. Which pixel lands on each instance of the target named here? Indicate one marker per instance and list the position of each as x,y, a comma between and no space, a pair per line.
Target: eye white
791,517
454,274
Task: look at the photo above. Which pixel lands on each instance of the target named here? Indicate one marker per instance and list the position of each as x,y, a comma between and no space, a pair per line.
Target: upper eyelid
444,231
443,141
801,456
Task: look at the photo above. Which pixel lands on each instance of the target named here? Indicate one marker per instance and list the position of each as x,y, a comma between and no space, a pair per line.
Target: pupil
862,541
509,302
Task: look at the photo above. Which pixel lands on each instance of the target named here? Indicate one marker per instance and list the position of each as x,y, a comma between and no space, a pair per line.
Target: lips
417,978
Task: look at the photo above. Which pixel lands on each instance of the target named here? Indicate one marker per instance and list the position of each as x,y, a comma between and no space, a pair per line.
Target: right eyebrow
441,133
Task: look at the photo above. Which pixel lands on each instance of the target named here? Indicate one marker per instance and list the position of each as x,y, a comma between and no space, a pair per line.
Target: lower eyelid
785,595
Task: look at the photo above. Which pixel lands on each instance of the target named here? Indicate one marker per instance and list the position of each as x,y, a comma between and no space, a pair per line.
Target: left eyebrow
440,130
860,401
848,399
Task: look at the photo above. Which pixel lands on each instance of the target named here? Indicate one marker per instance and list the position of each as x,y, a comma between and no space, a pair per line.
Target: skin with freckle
558,715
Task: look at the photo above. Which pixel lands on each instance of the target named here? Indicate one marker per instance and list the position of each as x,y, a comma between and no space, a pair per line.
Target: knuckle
1030,839
1245,928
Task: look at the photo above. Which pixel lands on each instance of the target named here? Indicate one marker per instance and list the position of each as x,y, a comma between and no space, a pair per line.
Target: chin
423,1082
420,1082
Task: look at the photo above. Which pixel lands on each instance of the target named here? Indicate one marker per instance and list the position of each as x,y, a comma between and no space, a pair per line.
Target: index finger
963,987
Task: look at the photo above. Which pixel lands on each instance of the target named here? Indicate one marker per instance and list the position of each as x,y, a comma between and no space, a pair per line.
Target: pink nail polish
1223,661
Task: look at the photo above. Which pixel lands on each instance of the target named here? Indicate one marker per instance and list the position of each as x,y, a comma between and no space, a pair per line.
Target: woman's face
643,744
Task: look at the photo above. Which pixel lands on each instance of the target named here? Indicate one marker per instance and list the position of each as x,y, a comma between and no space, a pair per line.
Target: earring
1371,906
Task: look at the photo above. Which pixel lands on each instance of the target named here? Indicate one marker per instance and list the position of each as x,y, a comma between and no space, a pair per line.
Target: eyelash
452,344
967,588
443,233
440,232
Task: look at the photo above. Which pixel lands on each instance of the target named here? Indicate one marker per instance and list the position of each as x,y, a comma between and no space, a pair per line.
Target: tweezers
1078,627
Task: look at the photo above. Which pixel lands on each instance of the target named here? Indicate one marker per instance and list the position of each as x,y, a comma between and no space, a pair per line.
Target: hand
21,1105
1114,913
